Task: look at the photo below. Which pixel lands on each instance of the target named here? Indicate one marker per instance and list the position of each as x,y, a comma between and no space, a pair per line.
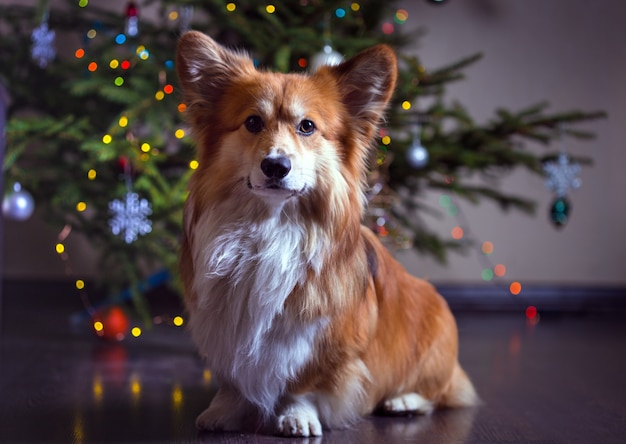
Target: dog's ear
366,83
205,68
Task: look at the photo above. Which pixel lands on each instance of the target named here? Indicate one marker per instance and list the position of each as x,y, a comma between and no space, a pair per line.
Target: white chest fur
244,274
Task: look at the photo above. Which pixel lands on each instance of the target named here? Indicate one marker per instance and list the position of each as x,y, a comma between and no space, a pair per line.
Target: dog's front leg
228,411
298,416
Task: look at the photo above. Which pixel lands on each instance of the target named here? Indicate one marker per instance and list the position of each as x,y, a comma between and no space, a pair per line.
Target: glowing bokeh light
487,247
80,284
457,233
81,206
499,270
515,288
270,9
194,164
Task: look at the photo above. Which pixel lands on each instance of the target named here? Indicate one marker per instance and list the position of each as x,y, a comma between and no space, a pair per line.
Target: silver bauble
328,57
417,155
18,204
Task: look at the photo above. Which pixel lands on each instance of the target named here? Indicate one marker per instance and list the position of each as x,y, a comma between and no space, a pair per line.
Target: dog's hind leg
406,404
228,411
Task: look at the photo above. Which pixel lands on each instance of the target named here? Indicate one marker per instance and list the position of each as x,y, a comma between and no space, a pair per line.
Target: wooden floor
562,380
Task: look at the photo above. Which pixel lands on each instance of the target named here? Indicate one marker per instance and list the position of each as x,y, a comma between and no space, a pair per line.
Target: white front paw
299,419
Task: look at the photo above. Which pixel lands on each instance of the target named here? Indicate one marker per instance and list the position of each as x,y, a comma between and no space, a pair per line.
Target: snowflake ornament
43,51
562,175
130,217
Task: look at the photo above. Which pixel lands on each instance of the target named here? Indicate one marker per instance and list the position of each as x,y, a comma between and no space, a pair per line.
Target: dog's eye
254,124
306,127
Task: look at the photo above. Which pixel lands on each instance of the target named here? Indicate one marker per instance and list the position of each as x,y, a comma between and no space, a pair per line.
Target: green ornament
559,212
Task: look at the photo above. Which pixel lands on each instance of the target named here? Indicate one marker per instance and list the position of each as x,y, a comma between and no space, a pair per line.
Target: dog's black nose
276,167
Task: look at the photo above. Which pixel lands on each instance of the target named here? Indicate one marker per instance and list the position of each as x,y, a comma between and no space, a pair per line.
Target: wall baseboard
546,297
461,297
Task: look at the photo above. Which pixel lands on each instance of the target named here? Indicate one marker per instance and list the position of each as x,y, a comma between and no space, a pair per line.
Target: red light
125,64
168,89
531,312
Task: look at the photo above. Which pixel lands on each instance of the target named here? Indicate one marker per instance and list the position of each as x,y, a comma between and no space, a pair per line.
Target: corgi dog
304,318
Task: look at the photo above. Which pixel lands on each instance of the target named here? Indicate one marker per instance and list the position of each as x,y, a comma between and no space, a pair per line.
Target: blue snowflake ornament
43,51
562,175
130,217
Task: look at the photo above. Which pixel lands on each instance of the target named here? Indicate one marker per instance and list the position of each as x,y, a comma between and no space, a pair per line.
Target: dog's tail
460,392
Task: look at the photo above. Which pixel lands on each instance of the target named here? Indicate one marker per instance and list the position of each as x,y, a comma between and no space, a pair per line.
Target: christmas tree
97,132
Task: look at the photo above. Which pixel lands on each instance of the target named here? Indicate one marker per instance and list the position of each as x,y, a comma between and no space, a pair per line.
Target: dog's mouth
273,185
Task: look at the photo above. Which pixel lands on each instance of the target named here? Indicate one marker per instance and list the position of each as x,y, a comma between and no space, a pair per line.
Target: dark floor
559,381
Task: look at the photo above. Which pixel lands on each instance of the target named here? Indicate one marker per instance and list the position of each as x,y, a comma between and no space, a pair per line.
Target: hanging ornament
43,51
417,154
111,323
328,56
130,216
561,175
131,28
185,15
18,204
559,211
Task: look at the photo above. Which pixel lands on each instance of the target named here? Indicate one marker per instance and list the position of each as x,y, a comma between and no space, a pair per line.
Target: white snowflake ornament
130,217
562,175
43,51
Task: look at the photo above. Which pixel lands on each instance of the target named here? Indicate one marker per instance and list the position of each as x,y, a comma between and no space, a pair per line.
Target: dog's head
280,136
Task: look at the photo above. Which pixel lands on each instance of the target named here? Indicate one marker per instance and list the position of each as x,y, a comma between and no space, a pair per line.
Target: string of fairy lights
490,271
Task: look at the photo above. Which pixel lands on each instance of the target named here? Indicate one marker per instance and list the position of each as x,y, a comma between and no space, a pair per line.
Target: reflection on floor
556,381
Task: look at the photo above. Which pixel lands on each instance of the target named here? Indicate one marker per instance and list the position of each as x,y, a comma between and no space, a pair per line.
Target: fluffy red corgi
304,318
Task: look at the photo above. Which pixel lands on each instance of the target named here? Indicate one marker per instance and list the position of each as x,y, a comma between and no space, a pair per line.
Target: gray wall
569,52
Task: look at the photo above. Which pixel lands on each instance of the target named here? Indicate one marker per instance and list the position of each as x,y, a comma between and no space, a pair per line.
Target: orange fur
356,332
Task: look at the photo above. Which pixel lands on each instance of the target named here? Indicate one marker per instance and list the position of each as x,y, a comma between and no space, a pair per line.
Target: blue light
120,39
340,12
169,64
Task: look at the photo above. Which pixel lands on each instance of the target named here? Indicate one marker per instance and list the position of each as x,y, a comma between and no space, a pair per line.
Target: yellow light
194,164
98,326
107,138
386,140
136,332
231,7
355,6
91,33
60,248
91,174
406,105
145,147
206,376
140,48
159,95
173,15
270,9
144,157
114,63
123,121
97,388
177,395
180,133
81,206
178,321
80,284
